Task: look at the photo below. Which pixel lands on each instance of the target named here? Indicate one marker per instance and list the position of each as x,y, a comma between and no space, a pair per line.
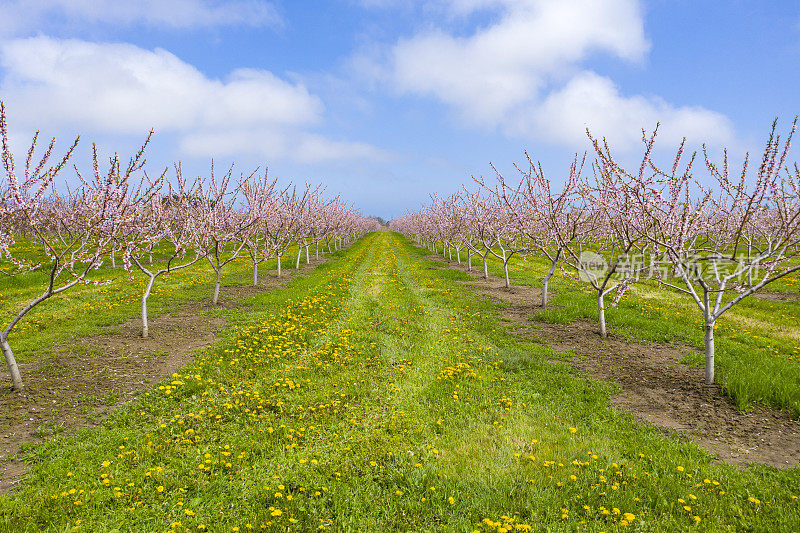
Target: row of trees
714,235
120,211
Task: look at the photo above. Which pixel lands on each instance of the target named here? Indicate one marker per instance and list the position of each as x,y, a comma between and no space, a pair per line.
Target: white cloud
124,89
26,16
522,71
503,65
593,101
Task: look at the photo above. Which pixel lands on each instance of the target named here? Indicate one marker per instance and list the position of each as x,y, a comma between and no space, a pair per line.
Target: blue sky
387,101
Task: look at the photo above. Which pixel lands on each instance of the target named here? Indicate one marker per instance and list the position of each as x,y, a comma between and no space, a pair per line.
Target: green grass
86,309
377,394
757,341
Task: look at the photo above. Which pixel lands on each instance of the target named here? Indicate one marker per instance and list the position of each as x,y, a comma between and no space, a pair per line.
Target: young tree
703,233
604,256
449,224
550,223
222,223
260,200
171,220
478,219
283,223
308,212
74,230
322,223
502,229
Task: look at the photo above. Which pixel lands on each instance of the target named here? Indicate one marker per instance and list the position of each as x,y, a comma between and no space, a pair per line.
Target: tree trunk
458,255
469,260
255,273
279,264
145,296
113,259
216,286
601,314
299,255
505,269
485,267
709,337
16,378
546,283
307,259
316,249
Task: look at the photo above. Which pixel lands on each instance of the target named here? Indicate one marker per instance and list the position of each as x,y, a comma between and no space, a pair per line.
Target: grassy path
379,395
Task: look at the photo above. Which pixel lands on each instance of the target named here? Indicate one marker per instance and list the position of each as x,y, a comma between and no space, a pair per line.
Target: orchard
474,366
721,243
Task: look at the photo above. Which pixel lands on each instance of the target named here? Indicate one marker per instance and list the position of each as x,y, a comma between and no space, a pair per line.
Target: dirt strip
654,386
80,383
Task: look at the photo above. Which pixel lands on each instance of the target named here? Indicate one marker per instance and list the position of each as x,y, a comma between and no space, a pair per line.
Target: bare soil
654,386
80,383
777,296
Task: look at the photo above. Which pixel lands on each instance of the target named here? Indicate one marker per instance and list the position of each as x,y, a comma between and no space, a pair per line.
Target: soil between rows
654,386
80,383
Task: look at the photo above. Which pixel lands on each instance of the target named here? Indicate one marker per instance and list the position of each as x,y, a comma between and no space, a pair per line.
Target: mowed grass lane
378,395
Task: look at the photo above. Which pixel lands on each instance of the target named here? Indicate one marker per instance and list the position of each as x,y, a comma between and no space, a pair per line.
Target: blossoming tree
73,230
723,245
549,222
171,221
